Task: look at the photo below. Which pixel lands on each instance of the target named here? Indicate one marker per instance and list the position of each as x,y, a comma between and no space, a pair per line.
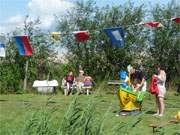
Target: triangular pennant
151,24
55,35
177,20
81,36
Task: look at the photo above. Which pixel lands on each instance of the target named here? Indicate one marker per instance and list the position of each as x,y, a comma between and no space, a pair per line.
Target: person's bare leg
162,106
78,88
65,91
68,88
157,106
87,91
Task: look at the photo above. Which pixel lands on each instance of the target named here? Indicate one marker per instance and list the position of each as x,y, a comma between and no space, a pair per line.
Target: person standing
161,79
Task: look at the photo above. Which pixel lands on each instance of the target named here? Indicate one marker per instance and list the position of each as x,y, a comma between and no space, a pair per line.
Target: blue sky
9,8
12,12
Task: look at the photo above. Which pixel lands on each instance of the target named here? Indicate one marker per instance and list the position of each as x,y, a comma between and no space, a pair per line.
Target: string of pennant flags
116,36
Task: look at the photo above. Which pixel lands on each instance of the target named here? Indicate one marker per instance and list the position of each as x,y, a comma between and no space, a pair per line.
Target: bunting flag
177,20
2,50
81,36
116,36
55,35
23,45
152,24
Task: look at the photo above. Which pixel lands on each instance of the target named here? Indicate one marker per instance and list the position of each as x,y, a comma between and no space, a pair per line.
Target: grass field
17,110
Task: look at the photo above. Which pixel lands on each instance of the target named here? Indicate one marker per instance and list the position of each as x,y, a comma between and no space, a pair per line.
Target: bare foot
160,115
156,114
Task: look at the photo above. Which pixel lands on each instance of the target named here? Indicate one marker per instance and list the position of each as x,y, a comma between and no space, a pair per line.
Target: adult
138,82
69,82
80,81
161,79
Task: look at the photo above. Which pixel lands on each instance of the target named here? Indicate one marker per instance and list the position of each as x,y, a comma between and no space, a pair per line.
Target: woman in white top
161,79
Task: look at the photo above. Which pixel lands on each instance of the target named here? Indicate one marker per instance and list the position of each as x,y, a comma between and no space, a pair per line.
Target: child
88,83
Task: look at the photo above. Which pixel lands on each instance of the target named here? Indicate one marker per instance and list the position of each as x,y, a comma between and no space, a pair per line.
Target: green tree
164,42
97,56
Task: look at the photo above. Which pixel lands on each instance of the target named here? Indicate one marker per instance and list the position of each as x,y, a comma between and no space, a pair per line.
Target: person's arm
141,84
162,76
84,79
142,80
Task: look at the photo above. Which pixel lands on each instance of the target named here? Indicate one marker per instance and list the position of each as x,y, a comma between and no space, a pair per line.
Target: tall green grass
79,119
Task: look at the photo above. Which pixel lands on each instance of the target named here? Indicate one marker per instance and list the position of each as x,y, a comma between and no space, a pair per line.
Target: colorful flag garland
116,36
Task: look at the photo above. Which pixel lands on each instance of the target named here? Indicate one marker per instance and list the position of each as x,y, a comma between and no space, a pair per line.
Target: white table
115,83
45,86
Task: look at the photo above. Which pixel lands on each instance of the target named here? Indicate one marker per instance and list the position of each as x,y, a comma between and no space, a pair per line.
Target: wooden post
26,75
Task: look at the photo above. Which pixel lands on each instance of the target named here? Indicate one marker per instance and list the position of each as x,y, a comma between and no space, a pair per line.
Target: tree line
143,48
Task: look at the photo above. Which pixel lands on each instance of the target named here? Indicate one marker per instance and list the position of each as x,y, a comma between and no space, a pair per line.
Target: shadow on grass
3,100
150,112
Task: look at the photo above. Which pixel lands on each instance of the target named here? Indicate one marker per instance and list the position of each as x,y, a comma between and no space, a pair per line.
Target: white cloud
47,9
12,23
44,9
16,19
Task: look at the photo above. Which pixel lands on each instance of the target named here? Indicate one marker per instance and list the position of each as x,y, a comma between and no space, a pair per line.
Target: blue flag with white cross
116,36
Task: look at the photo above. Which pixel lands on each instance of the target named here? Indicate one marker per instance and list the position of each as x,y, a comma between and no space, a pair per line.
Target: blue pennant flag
116,36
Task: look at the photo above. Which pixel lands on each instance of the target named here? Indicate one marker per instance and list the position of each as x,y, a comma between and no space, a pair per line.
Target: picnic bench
159,126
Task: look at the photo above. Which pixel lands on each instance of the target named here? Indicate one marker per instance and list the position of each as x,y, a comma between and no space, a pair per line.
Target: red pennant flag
81,36
177,20
152,24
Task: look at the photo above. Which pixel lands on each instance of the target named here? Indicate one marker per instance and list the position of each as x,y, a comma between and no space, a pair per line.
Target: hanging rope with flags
151,24
82,36
116,36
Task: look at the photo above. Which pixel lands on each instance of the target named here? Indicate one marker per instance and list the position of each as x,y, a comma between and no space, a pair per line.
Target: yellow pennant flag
55,35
